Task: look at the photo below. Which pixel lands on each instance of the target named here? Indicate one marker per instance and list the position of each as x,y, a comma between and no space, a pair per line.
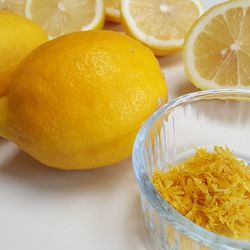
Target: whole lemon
78,101
18,37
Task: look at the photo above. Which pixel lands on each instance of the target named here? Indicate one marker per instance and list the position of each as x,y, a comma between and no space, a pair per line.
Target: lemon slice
160,24
16,6
59,17
217,49
113,10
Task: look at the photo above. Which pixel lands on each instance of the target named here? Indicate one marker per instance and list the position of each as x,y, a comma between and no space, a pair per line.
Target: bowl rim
180,222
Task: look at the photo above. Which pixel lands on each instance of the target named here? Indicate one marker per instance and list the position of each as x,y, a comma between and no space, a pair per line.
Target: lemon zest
212,189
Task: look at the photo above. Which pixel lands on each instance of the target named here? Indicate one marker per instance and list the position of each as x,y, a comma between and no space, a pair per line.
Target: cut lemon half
59,17
16,6
160,24
112,8
217,49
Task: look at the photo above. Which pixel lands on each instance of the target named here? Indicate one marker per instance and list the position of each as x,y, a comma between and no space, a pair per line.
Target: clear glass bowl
202,119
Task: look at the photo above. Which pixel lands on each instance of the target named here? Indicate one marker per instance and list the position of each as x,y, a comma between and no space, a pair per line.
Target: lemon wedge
112,8
217,49
160,24
59,17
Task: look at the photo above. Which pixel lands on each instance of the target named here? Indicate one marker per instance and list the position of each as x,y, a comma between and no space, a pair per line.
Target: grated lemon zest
212,189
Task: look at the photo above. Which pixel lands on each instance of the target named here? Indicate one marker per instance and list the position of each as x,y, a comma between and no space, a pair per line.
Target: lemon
18,37
217,49
112,8
59,17
78,101
160,24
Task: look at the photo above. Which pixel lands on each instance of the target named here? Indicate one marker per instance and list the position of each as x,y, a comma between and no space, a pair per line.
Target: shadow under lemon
48,187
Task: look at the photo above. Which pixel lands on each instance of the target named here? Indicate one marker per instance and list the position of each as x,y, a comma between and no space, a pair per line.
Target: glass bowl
202,119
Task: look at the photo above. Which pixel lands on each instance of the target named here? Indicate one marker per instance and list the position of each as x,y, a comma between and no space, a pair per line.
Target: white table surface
47,209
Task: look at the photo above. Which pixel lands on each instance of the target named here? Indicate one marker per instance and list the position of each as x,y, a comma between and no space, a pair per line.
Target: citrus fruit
217,49
160,24
19,36
59,17
78,101
112,8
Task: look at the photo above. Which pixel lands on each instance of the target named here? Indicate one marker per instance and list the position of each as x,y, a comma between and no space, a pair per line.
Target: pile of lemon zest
212,189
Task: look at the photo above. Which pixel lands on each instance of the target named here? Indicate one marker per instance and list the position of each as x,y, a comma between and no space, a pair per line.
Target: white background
46,209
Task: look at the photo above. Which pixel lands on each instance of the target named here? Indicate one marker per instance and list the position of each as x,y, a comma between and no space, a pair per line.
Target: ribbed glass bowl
202,119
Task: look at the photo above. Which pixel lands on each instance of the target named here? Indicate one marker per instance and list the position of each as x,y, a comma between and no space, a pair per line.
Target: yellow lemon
217,49
160,24
112,8
78,101
18,37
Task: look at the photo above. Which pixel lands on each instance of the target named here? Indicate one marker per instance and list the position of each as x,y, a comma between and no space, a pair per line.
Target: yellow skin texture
78,101
18,37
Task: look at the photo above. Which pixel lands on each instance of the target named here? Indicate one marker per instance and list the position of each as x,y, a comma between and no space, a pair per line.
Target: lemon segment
112,8
160,24
60,17
217,49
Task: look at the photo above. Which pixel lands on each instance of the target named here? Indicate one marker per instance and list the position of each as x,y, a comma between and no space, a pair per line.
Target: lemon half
217,49
59,17
160,24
